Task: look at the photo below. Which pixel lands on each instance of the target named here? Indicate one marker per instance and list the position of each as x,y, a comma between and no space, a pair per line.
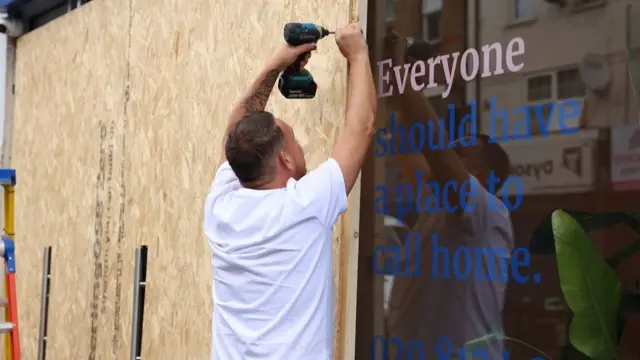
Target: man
269,223
439,311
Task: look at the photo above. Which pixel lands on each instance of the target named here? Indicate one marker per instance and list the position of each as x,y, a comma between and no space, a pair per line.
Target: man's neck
278,182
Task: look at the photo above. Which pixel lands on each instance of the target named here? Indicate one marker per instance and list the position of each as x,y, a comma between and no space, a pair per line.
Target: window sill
434,42
521,22
586,7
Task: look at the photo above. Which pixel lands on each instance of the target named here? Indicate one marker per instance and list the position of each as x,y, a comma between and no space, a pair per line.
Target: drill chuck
296,34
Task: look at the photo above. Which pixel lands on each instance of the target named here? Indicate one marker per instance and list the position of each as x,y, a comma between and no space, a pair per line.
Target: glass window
570,84
429,6
525,9
390,14
432,20
546,238
540,87
547,95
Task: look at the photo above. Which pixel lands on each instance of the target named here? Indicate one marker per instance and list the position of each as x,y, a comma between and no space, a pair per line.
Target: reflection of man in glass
442,309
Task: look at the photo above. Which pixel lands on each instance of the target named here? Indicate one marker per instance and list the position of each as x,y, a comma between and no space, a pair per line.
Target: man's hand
395,47
286,55
351,42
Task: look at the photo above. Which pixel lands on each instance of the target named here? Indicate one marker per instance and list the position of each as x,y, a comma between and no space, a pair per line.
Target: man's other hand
351,42
395,47
286,55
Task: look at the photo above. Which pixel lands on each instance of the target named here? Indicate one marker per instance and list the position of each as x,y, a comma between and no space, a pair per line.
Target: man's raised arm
362,104
256,96
444,165
410,164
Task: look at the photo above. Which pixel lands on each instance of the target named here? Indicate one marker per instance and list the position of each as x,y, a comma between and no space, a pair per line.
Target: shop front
625,158
550,273
558,172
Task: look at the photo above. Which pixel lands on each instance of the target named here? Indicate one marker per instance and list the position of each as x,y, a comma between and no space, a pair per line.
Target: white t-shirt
272,265
430,308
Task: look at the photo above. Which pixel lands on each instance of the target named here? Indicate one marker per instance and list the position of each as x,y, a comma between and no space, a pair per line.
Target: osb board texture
120,110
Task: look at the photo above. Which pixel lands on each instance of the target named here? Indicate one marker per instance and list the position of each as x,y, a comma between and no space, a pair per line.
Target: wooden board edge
349,244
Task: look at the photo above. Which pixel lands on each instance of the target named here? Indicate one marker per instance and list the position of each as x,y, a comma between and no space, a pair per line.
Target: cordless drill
296,82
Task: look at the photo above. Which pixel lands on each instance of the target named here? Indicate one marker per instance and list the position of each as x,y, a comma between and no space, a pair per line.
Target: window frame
553,76
513,12
577,5
389,18
554,98
424,23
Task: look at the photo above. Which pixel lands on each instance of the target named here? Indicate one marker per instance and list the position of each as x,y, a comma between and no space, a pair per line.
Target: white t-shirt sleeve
487,218
323,192
477,206
225,179
483,209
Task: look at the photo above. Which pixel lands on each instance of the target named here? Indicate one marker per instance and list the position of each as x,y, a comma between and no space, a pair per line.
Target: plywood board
120,107
67,128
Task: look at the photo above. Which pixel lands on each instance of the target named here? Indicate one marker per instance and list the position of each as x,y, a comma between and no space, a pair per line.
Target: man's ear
286,160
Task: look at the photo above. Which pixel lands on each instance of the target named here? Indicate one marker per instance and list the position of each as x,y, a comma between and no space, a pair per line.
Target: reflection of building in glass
441,24
574,51
576,59
438,22
633,51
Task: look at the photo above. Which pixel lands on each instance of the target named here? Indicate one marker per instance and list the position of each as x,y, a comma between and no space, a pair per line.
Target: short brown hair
252,145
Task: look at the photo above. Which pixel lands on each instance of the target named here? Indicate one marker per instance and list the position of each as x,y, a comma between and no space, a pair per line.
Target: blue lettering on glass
445,351
414,350
394,261
568,109
421,134
463,262
437,198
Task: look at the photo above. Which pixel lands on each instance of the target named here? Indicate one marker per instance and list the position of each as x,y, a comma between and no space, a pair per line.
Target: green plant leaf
542,239
590,287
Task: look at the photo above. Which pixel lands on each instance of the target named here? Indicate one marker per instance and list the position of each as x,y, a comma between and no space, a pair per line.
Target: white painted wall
556,38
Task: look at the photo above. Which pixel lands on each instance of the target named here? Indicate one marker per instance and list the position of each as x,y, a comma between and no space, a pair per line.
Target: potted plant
599,307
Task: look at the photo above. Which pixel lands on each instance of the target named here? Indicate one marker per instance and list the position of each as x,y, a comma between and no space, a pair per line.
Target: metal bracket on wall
139,285
44,303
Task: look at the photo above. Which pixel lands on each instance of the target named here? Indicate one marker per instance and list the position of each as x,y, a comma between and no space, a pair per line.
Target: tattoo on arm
258,100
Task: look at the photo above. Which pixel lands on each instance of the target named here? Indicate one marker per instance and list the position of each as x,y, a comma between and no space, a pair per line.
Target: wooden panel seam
349,238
